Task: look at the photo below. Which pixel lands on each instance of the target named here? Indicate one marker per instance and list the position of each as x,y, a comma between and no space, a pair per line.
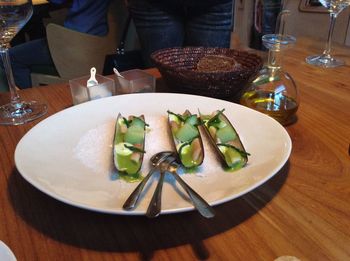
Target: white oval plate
5,253
69,155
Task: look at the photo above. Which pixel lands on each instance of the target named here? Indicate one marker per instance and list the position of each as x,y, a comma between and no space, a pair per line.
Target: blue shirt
87,16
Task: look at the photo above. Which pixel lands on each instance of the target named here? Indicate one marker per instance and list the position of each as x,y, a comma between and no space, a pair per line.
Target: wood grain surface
304,211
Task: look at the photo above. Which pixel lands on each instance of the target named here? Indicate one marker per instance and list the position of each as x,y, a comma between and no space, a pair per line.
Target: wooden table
304,211
39,2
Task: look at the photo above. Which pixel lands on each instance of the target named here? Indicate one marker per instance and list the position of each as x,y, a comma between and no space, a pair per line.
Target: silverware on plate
154,207
198,202
132,200
166,161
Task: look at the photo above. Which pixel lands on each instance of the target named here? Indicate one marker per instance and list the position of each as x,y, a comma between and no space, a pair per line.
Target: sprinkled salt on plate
94,149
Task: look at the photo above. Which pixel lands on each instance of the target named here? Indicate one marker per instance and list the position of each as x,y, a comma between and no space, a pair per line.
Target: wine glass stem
8,70
333,17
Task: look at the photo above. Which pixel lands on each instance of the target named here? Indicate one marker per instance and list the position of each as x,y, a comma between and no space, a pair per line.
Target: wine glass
326,60
14,14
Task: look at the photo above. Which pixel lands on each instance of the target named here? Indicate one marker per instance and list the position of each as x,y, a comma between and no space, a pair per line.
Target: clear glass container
274,91
81,93
135,81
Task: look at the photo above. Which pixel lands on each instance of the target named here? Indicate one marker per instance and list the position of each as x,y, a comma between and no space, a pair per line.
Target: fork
154,207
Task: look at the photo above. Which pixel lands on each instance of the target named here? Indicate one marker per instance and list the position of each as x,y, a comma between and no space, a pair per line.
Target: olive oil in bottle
274,91
276,105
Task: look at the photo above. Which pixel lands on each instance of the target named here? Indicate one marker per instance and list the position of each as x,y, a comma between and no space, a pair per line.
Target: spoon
154,207
156,159
198,202
92,81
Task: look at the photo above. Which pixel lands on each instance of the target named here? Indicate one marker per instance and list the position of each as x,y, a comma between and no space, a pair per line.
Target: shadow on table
116,233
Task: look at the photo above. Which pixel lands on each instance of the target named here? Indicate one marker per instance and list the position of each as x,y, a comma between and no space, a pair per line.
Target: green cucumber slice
137,122
189,154
193,120
233,157
226,134
127,165
135,134
185,153
123,159
187,132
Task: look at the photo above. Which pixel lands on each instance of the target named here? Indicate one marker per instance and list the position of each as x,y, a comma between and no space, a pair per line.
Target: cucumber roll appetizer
129,143
186,137
225,140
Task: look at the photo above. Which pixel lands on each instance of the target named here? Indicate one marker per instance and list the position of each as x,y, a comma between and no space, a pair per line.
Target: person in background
265,16
85,16
175,23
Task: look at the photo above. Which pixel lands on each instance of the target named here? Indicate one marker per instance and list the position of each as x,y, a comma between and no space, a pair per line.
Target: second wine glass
14,14
326,60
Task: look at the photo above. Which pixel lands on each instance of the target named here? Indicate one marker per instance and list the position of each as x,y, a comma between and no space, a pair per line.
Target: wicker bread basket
178,67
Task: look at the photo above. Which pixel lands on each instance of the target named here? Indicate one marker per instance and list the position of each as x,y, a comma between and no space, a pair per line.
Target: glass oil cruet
274,91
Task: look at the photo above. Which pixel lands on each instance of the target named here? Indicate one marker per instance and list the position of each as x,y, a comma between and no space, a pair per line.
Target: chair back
74,53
